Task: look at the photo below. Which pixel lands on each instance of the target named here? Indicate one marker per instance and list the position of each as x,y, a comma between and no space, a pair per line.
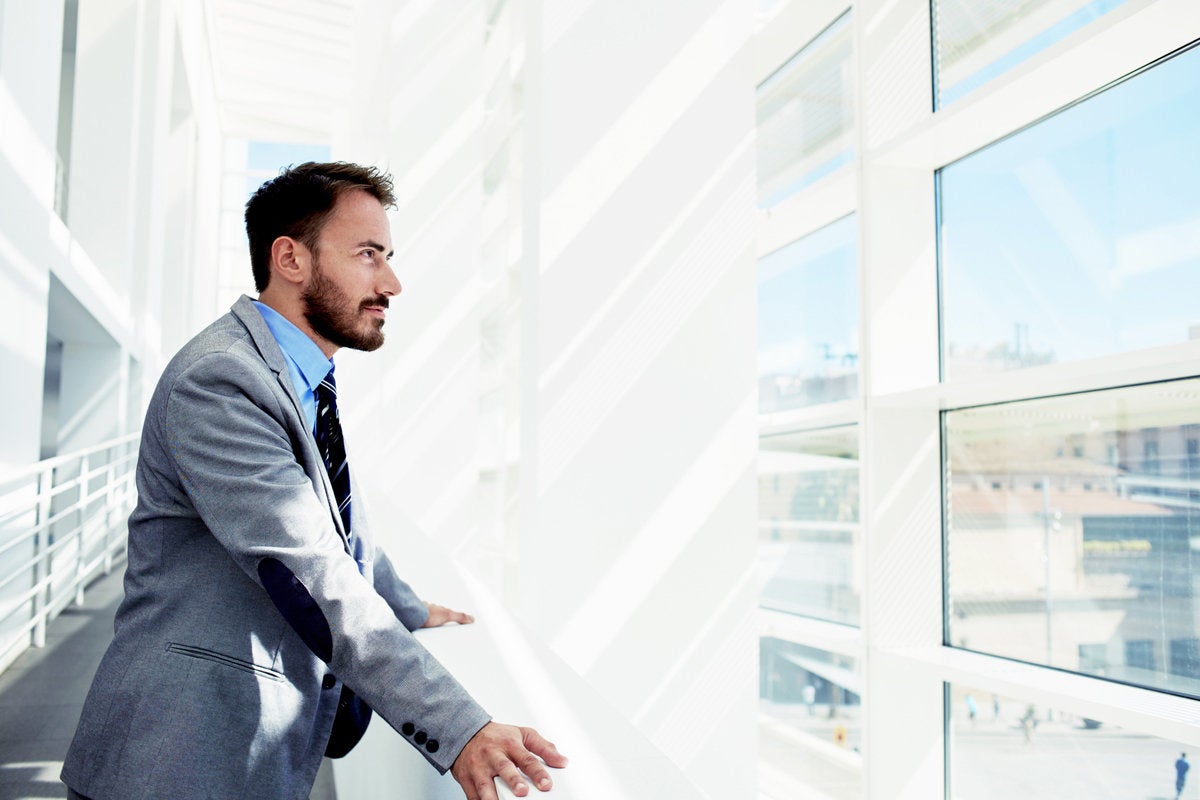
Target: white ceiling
282,67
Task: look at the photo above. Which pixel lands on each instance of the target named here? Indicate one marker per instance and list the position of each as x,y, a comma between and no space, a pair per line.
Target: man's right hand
505,751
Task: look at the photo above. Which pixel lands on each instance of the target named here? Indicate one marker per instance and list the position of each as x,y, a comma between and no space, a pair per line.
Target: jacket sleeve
226,429
409,609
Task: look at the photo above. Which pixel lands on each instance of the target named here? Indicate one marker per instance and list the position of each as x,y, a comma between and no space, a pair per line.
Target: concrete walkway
41,696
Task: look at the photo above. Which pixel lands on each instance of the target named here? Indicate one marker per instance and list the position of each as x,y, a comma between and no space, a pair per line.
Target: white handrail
62,522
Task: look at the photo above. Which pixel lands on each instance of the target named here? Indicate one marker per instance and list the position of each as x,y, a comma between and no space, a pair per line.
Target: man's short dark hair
297,203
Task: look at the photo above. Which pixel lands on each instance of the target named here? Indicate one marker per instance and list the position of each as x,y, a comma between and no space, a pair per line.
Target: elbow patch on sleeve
297,607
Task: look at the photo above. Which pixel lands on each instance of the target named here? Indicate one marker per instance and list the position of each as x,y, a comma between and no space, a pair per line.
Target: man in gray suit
258,614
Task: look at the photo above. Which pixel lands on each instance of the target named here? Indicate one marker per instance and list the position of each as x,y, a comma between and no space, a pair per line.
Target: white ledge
517,678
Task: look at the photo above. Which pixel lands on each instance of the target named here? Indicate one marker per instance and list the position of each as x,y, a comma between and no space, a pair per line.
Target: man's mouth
376,307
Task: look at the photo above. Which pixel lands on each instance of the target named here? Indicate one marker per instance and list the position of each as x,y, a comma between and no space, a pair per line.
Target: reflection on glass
1073,532
1003,748
806,116
1080,236
808,532
810,723
975,41
808,320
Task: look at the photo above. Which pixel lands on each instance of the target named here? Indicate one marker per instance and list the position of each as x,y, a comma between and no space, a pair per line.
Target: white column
104,156
902,443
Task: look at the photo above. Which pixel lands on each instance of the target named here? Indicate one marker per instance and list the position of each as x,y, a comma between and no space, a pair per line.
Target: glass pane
1073,532
1080,236
975,41
1001,748
810,723
806,116
809,543
808,320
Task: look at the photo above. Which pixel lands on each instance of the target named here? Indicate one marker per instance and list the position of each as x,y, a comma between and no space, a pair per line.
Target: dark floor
42,693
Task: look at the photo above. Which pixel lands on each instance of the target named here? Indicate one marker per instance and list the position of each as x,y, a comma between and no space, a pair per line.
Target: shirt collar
296,345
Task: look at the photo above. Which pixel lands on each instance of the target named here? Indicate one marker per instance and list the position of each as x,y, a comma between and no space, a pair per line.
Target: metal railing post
110,494
84,499
37,609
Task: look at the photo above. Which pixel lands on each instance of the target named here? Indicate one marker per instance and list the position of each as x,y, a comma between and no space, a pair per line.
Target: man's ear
290,260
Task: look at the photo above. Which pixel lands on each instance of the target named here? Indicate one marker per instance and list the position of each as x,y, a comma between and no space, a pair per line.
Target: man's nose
389,284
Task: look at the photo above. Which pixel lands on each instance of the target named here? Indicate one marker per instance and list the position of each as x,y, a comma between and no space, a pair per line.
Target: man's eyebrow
374,245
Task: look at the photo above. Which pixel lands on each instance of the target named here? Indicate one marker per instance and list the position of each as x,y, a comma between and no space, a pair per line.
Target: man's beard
338,319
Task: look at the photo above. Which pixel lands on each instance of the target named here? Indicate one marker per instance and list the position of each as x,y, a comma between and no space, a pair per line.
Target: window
1003,747
976,41
808,497
811,724
1041,567
1077,237
1093,658
1150,462
806,116
1185,657
808,320
1139,654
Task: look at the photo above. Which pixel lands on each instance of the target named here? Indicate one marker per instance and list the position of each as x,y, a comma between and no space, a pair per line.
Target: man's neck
291,308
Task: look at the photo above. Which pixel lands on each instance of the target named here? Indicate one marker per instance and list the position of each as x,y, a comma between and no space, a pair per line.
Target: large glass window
975,41
806,116
809,541
810,723
808,320
1079,236
1002,747
1073,532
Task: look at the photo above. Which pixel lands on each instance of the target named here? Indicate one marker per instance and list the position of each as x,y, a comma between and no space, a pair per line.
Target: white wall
609,498
29,57
641,528
143,177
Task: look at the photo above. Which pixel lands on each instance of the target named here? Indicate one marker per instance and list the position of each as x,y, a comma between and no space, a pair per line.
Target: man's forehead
358,215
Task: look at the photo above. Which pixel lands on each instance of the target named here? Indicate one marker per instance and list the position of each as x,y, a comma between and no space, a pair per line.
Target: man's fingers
509,774
462,618
506,752
536,743
440,615
532,766
485,789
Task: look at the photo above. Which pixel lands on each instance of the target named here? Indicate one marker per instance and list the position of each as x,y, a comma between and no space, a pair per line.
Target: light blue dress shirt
306,363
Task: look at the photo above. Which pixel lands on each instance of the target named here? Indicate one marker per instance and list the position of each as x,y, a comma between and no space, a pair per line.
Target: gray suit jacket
243,610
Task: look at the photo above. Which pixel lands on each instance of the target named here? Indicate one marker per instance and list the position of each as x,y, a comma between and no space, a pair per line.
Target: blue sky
1085,227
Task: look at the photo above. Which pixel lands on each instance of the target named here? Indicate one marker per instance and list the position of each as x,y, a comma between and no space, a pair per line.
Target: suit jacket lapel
275,360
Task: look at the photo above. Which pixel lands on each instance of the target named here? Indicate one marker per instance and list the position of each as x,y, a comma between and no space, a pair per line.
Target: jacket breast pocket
203,653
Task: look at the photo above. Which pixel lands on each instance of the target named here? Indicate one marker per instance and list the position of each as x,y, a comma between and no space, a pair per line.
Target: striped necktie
353,714
328,434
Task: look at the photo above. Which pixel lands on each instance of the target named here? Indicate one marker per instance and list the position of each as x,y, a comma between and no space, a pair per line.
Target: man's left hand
440,615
